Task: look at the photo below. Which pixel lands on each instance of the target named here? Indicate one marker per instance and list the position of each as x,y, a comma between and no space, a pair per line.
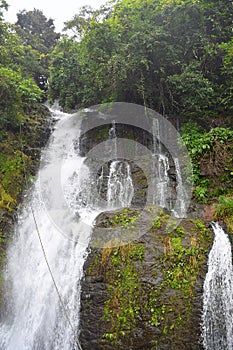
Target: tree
38,32
15,94
171,55
81,21
64,82
3,7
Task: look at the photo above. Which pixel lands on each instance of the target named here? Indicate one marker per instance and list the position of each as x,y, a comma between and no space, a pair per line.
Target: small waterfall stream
120,186
181,194
160,170
217,318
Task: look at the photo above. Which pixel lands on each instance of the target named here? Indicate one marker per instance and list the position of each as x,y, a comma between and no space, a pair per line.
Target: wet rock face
139,180
146,294
141,173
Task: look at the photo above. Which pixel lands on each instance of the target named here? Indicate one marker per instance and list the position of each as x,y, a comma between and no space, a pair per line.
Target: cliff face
146,294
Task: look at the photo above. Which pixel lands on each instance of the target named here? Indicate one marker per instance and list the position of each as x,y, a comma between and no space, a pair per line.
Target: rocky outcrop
145,294
142,285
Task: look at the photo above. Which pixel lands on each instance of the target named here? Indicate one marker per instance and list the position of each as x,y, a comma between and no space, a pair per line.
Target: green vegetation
123,306
224,211
172,56
181,263
39,37
212,160
125,218
159,220
16,95
24,61
163,299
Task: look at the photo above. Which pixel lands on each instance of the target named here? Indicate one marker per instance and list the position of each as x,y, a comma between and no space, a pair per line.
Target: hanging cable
44,252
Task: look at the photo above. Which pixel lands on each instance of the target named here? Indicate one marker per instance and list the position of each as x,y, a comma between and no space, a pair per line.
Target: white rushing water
120,189
162,185
34,318
161,180
181,208
217,318
161,177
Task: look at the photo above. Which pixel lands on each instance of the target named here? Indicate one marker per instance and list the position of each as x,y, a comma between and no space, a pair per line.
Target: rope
43,250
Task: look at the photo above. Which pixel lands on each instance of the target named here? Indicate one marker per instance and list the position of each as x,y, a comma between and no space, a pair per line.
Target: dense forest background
174,56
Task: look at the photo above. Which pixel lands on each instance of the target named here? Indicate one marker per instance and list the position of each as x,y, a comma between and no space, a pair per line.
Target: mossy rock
146,294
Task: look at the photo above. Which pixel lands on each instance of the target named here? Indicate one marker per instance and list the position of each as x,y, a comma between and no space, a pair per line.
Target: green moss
93,266
180,231
181,264
184,255
159,219
205,232
123,307
168,305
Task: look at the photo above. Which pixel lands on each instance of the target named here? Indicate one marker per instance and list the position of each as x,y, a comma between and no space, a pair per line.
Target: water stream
120,188
33,318
217,318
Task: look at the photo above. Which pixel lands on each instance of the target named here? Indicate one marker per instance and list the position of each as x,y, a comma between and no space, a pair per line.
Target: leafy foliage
21,65
211,155
173,56
225,207
37,34
119,310
64,73
224,211
15,93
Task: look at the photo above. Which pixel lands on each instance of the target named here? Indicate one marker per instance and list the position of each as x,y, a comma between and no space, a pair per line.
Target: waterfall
217,318
34,318
120,189
160,166
113,135
163,181
112,130
181,194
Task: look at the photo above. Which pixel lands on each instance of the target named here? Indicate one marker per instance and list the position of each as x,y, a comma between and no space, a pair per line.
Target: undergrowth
212,160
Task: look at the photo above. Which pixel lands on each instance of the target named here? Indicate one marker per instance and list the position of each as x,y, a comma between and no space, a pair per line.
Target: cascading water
181,194
34,318
113,135
160,170
120,189
162,185
217,318
120,186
